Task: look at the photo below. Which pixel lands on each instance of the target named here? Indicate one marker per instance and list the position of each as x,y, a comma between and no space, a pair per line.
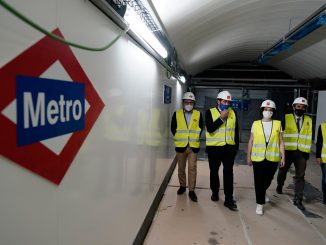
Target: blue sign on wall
245,105
167,94
236,105
239,105
48,108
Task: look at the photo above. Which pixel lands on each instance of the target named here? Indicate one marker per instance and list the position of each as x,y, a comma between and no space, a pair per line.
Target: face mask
299,113
224,107
267,114
188,107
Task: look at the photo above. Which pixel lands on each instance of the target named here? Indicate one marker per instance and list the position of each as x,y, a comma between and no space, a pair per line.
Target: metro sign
45,120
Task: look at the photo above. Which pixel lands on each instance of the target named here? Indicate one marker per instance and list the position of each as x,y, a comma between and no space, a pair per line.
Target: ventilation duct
312,23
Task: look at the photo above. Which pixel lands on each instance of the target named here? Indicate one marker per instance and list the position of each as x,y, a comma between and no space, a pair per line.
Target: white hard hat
224,95
300,100
268,103
188,96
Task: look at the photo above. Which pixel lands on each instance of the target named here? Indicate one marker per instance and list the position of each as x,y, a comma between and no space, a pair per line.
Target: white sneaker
267,199
259,209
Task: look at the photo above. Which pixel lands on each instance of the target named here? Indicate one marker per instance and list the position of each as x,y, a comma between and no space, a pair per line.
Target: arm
283,123
210,125
201,123
174,124
249,149
282,151
319,144
236,132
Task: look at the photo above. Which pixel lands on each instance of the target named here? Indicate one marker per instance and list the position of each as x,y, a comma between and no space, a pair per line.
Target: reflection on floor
181,221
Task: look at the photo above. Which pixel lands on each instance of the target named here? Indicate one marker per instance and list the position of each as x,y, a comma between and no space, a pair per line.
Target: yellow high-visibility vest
148,131
293,139
259,149
118,129
187,134
323,149
225,133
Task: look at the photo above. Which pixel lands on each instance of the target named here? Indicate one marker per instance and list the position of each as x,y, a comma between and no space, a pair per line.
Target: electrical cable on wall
55,37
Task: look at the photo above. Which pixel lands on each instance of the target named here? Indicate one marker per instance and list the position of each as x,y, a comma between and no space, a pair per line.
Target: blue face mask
224,107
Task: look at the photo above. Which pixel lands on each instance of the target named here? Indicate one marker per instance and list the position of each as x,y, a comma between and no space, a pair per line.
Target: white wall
111,183
321,113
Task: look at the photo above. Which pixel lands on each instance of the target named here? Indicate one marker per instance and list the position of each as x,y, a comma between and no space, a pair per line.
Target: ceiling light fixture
140,28
182,79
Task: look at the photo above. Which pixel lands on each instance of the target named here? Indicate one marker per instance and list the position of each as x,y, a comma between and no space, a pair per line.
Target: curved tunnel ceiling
208,33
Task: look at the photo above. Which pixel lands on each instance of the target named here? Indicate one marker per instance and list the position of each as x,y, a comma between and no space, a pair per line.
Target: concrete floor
181,221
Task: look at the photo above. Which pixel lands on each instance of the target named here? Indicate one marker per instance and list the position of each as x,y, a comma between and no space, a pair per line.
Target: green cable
55,37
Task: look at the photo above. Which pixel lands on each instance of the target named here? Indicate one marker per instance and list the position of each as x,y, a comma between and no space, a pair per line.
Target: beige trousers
192,168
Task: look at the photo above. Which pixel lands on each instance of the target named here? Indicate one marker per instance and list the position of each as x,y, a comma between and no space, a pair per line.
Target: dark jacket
213,126
319,143
174,129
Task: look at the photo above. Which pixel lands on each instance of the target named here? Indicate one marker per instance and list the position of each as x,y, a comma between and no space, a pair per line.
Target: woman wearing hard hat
265,151
297,141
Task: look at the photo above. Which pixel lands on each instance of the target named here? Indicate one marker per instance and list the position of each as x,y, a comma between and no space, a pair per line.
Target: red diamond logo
39,157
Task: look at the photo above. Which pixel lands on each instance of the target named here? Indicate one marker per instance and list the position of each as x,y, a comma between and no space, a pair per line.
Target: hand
249,162
224,114
282,163
318,160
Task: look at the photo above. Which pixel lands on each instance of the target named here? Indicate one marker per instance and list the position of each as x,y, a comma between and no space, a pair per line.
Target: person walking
297,140
265,151
186,127
321,156
222,143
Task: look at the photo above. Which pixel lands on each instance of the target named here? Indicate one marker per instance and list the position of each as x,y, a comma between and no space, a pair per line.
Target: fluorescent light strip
140,28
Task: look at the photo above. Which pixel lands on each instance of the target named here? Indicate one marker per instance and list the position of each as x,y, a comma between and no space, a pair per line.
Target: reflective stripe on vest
185,135
225,133
147,129
323,149
259,150
293,139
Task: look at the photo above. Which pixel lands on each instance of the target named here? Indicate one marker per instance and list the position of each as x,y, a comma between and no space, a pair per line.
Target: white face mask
267,114
188,107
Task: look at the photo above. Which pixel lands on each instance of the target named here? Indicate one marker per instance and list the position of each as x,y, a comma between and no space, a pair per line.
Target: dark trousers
300,163
323,181
263,175
226,156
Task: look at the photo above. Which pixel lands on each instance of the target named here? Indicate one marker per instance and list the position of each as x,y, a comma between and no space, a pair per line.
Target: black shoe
215,197
299,205
193,196
279,189
181,190
231,205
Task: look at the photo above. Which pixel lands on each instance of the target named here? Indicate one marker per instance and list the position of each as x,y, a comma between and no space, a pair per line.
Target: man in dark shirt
222,143
297,135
